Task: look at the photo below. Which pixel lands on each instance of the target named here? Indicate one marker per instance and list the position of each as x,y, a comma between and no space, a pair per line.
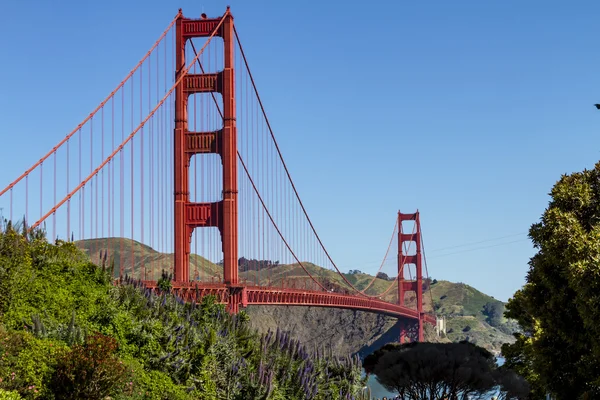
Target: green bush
12,395
51,281
90,370
153,385
27,363
164,282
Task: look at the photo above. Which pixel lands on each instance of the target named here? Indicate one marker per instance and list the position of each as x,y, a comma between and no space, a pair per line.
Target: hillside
468,317
134,257
346,331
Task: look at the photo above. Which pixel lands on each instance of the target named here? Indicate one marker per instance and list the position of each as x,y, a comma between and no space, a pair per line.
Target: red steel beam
416,259
222,214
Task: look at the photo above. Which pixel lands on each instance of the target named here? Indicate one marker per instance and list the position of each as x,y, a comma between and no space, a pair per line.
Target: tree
426,284
559,306
493,312
512,385
383,275
436,371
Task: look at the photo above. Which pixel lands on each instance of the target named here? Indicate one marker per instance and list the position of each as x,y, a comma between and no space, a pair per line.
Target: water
378,391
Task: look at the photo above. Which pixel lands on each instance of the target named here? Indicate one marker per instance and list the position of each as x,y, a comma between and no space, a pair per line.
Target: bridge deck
259,295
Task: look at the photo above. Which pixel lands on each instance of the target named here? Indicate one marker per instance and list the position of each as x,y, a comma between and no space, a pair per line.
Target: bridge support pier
237,297
411,330
403,331
222,214
416,285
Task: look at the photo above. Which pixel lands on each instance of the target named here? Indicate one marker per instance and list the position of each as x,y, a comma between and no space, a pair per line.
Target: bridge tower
413,331
221,214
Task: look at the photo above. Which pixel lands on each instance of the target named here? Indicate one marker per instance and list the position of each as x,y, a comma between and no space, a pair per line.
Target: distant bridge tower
412,331
221,214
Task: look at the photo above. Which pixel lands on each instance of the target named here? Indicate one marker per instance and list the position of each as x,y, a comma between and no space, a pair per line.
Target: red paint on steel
405,259
259,295
223,214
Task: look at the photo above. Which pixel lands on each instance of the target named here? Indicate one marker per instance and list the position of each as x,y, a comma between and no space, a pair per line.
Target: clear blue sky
467,110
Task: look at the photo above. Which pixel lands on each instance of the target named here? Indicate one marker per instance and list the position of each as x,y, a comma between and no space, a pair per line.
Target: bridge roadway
261,295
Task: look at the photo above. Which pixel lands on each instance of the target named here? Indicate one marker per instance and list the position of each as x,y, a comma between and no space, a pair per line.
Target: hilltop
470,314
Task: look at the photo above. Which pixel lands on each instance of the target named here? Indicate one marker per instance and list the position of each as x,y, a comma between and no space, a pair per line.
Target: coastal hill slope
469,314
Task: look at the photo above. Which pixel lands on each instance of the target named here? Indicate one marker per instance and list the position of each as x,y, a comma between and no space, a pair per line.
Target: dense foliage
67,332
493,313
255,265
559,306
437,371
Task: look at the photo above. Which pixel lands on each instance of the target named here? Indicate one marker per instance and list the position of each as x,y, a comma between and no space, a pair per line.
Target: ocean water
378,391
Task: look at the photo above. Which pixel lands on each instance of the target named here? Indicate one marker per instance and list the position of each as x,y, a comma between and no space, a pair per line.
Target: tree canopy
559,306
493,312
437,371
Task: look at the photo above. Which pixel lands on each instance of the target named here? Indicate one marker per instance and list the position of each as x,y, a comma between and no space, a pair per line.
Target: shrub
64,283
27,363
383,275
164,283
150,385
89,371
12,395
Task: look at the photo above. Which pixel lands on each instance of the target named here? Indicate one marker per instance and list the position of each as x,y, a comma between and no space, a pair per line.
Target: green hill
459,299
465,309
135,257
472,315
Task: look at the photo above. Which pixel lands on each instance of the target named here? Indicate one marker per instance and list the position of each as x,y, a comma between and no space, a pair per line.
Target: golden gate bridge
179,170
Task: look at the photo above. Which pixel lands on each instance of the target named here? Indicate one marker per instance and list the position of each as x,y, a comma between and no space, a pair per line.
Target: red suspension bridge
178,170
